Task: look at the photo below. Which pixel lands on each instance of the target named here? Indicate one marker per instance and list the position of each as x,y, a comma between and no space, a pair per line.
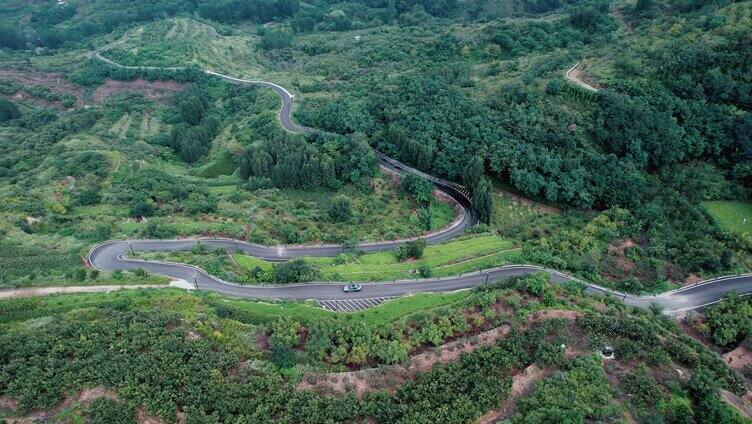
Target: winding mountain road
110,255
573,74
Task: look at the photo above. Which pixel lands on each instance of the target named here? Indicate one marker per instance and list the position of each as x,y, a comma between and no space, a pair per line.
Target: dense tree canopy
8,110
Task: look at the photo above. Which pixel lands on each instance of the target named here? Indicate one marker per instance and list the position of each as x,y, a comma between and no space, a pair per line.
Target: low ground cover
734,217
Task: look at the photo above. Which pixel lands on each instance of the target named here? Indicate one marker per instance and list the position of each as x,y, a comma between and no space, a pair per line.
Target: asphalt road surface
111,255
573,75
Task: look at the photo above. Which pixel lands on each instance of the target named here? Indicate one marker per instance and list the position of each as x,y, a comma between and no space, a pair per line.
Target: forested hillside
669,129
160,160
611,140
473,91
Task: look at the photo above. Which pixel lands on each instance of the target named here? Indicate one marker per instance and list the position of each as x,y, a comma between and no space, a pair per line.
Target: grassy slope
379,315
183,42
185,304
734,217
451,258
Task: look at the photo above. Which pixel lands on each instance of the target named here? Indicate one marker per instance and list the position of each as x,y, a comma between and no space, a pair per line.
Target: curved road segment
111,255
574,77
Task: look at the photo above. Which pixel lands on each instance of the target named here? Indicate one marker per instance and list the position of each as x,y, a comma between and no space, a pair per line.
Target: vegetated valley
607,140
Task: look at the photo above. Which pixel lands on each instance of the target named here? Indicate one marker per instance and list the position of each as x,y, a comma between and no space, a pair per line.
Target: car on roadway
352,288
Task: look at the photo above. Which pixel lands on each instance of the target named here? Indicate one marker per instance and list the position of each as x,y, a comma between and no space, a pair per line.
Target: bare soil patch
553,313
143,418
738,358
619,247
675,274
192,335
8,404
158,91
23,96
615,264
692,279
690,329
263,341
54,81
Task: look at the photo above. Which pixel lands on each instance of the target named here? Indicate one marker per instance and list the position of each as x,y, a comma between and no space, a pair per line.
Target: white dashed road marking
352,305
